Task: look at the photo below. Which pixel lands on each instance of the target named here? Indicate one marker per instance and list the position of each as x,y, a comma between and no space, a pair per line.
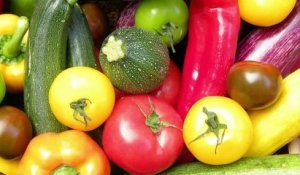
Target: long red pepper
212,40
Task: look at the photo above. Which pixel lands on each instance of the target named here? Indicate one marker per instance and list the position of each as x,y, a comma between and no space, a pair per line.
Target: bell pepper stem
65,170
12,47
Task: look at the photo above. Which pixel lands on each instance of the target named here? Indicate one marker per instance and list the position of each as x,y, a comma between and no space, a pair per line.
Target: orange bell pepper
69,152
13,41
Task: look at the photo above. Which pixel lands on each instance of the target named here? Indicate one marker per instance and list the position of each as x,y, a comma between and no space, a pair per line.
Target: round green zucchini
135,60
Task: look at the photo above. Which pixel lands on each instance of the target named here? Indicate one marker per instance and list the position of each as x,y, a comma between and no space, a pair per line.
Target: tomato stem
214,126
78,107
65,170
153,121
167,30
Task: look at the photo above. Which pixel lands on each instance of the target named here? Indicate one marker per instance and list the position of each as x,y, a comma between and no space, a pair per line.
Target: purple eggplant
278,44
126,18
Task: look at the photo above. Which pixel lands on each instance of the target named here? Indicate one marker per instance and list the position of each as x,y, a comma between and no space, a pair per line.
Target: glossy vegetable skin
168,19
217,130
265,13
9,166
81,49
143,135
282,119
15,132
278,45
254,85
212,38
210,50
169,89
13,41
83,106
66,152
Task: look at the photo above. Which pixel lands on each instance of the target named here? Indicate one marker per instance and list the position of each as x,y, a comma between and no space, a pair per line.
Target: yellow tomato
265,12
81,98
217,130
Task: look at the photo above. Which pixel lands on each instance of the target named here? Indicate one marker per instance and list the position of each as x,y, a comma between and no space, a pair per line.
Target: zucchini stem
11,48
113,49
214,126
153,121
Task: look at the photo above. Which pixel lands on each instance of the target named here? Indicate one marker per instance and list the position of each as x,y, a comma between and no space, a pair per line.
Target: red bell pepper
212,40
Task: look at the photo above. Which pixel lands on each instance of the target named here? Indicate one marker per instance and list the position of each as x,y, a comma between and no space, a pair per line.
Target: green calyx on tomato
153,121
78,107
214,126
168,18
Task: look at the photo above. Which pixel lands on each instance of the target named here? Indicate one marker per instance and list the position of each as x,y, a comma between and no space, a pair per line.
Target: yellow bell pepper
13,40
277,125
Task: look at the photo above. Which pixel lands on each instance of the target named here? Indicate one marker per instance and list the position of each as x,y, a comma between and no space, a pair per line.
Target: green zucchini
47,45
287,164
81,49
135,60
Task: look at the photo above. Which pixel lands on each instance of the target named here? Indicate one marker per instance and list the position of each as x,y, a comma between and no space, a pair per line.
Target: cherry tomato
15,131
265,12
255,85
143,135
97,21
81,98
217,130
168,18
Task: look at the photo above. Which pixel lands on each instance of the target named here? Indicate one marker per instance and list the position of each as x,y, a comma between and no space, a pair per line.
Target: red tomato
130,142
169,90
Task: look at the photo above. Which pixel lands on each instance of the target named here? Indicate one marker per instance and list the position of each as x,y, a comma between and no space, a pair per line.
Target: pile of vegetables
149,87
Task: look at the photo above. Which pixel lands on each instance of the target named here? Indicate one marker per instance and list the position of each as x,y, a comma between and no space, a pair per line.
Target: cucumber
46,58
81,49
135,60
275,165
